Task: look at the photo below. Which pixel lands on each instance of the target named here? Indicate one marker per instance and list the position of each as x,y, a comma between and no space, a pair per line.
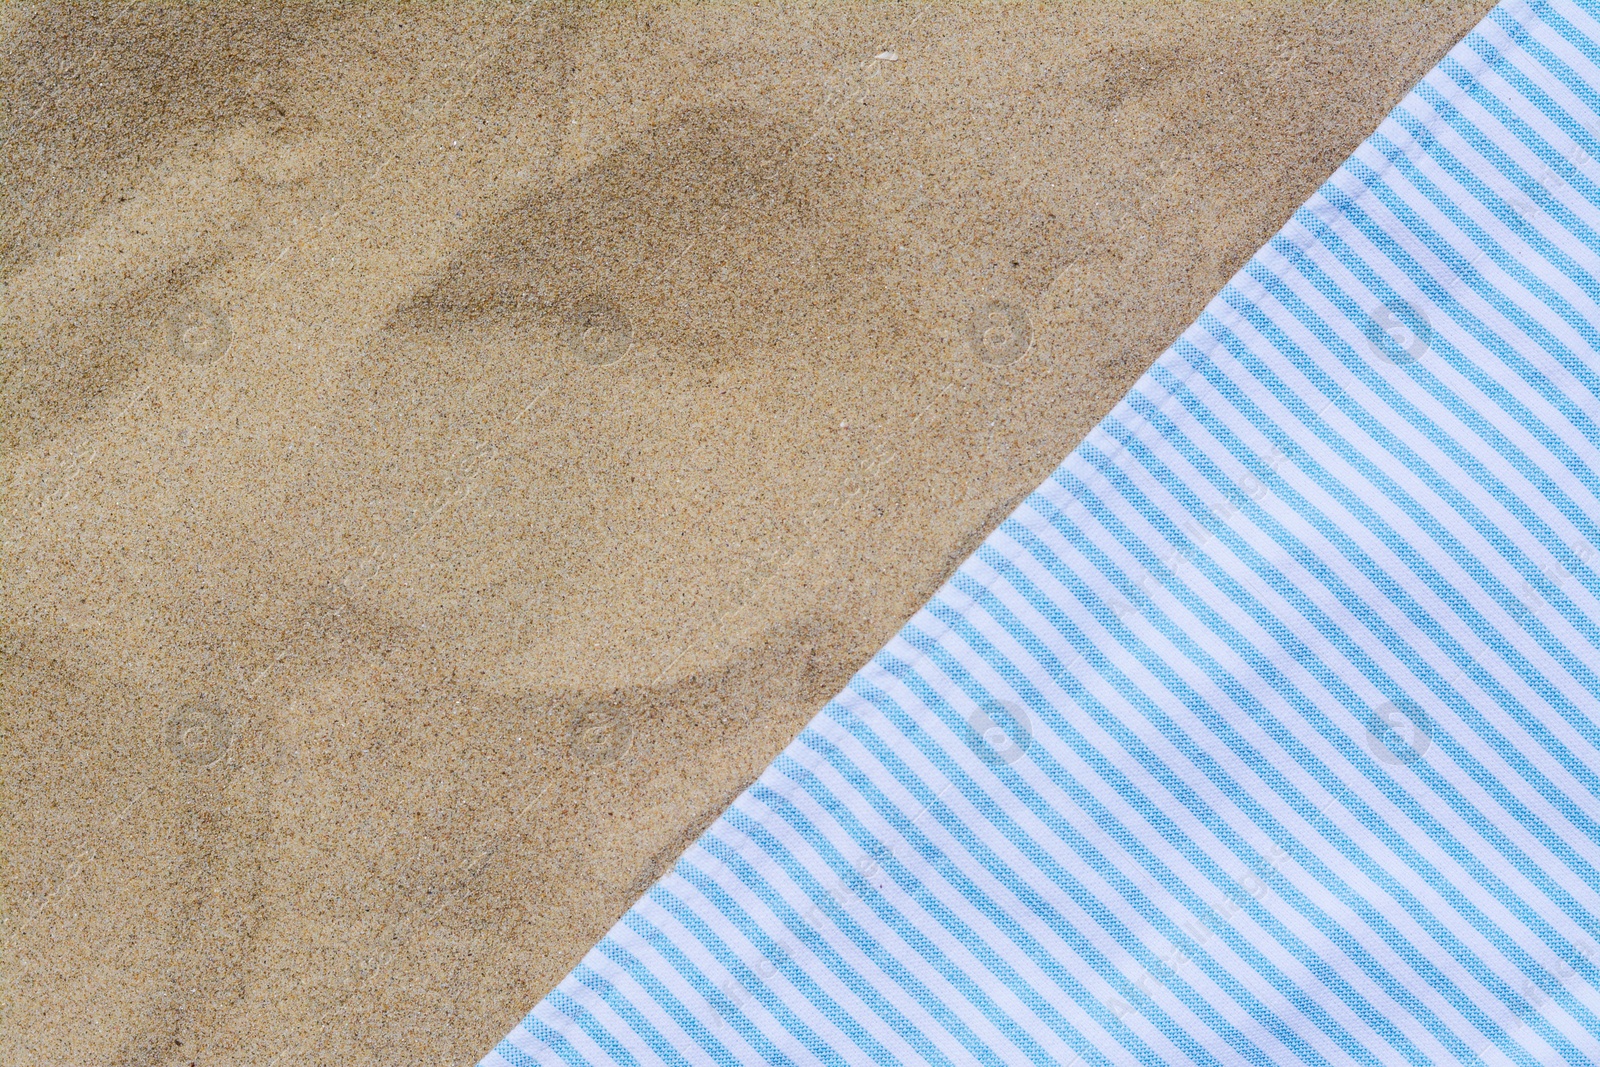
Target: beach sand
450,452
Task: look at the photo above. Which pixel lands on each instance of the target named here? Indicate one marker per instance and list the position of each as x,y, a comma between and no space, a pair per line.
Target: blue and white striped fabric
1268,729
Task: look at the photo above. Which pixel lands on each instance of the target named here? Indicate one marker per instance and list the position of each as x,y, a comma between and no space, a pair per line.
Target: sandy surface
448,454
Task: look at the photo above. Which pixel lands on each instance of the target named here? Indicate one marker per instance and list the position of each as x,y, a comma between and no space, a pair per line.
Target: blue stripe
951,870
1377,431
772,951
1286,589
537,1029
891,917
1420,567
869,946
1218,826
746,978
1035,901
684,968
1005,874
599,1034
865,991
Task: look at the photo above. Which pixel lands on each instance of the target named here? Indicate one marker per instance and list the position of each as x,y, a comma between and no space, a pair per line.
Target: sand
449,452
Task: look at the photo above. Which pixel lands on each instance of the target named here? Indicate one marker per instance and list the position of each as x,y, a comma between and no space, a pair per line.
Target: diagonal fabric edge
1263,730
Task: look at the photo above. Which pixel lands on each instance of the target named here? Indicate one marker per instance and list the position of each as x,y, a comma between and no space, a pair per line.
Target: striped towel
1265,731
